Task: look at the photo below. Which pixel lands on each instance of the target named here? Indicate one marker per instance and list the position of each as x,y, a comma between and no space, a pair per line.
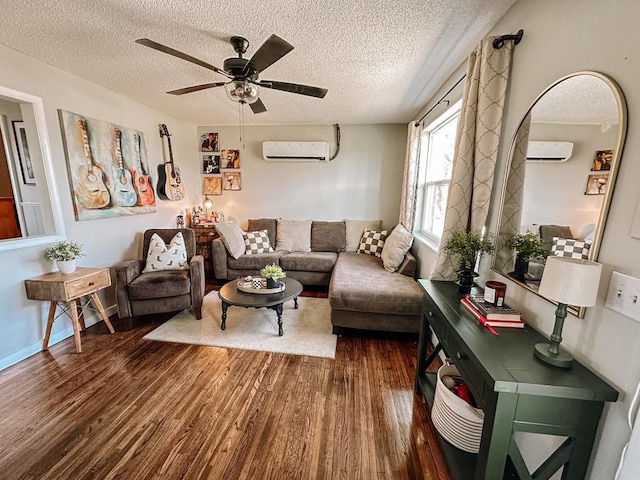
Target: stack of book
491,316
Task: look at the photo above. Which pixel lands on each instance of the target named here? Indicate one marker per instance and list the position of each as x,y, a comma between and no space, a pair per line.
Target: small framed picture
231,181
230,158
20,135
597,184
212,186
209,142
210,164
602,160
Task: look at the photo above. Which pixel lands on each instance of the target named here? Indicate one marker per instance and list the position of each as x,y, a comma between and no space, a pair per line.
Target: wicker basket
459,423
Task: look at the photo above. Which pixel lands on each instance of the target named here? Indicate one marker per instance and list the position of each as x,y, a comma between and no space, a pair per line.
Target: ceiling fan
242,86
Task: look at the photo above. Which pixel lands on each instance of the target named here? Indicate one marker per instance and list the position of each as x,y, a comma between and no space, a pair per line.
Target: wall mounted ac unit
295,151
549,151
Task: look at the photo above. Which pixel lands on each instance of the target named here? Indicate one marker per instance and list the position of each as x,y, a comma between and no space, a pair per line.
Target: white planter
66,266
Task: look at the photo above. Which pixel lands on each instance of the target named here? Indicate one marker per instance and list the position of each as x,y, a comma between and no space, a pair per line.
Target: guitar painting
91,191
170,186
141,178
125,194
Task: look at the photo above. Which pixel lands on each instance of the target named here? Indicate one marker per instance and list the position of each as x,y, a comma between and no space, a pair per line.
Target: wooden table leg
47,334
80,311
76,324
98,304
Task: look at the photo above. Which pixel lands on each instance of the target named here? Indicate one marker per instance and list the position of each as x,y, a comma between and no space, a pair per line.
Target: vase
521,268
66,266
465,280
271,283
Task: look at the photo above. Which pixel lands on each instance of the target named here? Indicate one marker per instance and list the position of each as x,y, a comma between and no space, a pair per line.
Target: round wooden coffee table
231,296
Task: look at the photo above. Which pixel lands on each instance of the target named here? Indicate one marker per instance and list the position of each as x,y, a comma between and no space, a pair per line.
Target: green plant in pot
528,246
466,247
273,273
65,253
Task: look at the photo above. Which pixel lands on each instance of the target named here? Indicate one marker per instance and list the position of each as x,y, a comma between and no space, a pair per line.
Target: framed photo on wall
26,167
209,142
231,181
212,186
602,160
597,184
230,158
210,164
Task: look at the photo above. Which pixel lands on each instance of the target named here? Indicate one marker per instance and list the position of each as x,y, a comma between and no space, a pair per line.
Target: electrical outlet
624,295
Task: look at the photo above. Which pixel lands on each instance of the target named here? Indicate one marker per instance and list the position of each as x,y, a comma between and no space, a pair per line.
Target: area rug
307,330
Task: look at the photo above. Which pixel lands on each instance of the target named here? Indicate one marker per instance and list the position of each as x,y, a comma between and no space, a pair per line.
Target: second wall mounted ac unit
295,151
541,151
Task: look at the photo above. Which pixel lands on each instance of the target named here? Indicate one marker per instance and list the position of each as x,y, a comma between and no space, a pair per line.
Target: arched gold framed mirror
560,177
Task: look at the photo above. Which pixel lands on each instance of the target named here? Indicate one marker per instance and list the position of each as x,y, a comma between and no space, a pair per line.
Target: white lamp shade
571,281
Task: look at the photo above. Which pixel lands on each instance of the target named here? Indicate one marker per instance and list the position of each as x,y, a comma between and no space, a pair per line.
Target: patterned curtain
410,180
513,197
476,149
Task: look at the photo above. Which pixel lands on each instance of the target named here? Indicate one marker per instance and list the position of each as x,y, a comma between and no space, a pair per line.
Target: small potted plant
273,273
528,246
466,247
65,253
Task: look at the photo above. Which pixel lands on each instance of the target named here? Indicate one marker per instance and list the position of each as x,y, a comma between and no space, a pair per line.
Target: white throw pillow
396,247
166,257
294,235
231,235
355,229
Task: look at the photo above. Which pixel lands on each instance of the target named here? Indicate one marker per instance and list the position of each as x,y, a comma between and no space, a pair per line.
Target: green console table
517,392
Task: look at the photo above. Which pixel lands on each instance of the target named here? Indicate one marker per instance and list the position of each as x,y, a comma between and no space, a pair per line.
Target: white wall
106,241
363,181
561,38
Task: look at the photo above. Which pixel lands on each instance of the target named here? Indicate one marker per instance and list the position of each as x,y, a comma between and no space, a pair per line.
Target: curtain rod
498,43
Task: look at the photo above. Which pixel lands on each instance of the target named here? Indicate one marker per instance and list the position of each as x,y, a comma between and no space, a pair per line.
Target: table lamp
568,281
208,205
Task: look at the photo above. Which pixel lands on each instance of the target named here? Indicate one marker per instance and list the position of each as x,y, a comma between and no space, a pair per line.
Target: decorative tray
248,285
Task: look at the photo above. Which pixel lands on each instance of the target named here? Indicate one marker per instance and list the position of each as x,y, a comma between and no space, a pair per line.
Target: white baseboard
55,338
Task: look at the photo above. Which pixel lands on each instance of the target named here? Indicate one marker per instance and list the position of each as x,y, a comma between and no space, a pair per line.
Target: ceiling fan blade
295,88
258,106
196,88
272,50
164,49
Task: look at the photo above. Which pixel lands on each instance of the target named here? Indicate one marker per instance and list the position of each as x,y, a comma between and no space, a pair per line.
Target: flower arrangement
273,272
467,246
64,251
528,245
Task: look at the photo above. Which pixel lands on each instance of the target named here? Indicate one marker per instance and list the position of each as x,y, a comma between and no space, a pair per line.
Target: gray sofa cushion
309,261
360,283
328,236
268,224
254,262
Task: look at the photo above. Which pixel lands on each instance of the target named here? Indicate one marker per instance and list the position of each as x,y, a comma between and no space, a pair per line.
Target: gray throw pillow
395,248
231,235
294,235
355,229
328,237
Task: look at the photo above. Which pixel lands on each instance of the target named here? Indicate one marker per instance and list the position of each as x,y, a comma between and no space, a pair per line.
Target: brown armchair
164,291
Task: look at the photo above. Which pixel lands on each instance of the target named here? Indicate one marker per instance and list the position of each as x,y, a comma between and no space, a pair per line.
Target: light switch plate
624,295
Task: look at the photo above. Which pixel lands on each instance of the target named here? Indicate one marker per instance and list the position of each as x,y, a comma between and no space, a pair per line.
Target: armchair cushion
160,284
166,257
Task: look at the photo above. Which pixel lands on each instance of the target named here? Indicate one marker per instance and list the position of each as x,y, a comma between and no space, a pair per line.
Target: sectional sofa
363,294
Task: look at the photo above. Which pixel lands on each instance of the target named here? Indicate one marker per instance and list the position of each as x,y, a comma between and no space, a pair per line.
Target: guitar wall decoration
91,191
125,194
170,186
141,179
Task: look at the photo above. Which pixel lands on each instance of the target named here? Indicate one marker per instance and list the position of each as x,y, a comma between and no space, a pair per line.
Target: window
436,158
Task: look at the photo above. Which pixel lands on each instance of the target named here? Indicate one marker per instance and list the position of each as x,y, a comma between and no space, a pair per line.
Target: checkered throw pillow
257,242
565,247
372,242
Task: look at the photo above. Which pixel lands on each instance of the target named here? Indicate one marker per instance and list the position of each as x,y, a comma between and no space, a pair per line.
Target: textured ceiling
380,60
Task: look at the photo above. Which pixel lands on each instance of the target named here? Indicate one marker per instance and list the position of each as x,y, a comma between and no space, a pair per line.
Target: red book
490,323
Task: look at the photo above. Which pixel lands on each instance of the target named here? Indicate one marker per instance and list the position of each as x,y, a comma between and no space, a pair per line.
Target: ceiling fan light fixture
241,91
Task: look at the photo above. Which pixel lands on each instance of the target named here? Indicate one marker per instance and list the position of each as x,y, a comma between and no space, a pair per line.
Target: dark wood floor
129,408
